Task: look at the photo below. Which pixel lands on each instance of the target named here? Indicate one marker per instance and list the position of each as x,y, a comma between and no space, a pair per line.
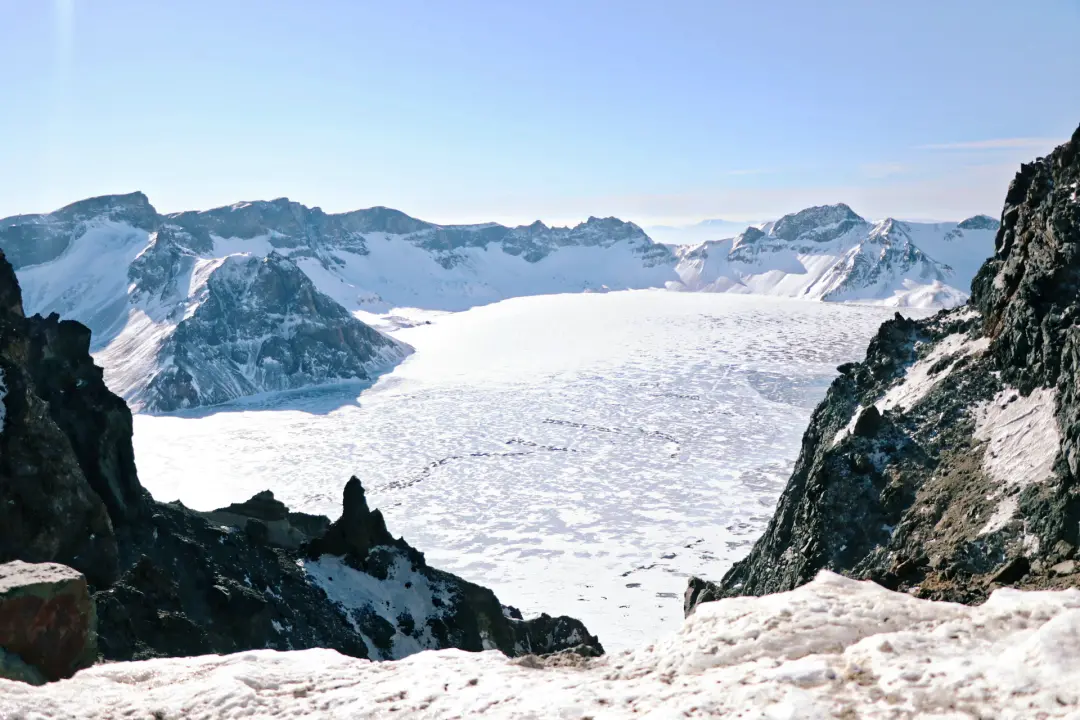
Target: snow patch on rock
1021,436
925,374
403,591
832,648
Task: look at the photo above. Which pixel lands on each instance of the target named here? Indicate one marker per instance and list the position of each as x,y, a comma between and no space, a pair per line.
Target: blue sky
658,112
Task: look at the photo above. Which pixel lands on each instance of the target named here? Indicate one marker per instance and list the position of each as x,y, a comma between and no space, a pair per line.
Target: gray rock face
262,327
818,224
979,222
947,461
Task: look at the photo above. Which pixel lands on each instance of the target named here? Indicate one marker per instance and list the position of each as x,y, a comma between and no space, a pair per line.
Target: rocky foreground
168,581
947,462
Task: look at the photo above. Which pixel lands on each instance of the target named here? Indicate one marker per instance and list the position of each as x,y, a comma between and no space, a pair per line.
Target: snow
922,376
397,273
930,265
1022,441
89,281
579,454
1021,435
403,590
833,648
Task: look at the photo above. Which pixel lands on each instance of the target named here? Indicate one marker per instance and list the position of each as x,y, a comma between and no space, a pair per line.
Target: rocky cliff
169,581
947,462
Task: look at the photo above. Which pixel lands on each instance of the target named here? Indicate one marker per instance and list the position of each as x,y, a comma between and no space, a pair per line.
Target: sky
468,111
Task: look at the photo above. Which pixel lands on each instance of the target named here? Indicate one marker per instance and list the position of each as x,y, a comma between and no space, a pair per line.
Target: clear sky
663,111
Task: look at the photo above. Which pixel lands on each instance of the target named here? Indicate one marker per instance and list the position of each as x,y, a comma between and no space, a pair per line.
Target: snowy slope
141,280
832,648
830,253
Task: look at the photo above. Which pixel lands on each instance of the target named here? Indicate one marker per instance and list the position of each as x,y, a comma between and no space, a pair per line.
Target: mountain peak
979,222
133,206
820,223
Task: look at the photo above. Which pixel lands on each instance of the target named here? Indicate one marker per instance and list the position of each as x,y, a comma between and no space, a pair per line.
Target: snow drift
832,648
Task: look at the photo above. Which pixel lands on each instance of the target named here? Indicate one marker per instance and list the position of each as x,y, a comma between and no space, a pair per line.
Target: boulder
47,622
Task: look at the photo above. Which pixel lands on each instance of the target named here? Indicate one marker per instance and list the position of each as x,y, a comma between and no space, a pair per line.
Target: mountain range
196,308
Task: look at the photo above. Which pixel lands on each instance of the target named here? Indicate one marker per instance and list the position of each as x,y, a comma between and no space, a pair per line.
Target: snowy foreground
835,648
579,454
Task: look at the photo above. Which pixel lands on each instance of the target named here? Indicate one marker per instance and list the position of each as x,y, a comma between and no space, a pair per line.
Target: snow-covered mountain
178,322
831,253
195,308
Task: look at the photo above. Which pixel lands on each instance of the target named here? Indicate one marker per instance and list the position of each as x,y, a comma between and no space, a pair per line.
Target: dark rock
47,621
49,510
12,667
868,423
96,422
1012,571
261,506
356,532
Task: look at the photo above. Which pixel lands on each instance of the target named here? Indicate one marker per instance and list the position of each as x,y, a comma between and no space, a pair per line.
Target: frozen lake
579,454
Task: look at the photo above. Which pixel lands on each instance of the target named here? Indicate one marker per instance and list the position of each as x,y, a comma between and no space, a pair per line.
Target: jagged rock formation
49,510
947,461
169,581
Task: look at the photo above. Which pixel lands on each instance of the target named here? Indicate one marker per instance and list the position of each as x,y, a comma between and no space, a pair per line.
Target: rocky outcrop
47,622
268,518
256,575
455,613
947,462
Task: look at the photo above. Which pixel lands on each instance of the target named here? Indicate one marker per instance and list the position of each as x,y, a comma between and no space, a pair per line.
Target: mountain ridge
141,279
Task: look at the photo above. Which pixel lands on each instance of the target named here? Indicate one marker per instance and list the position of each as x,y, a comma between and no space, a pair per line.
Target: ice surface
834,648
579,454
